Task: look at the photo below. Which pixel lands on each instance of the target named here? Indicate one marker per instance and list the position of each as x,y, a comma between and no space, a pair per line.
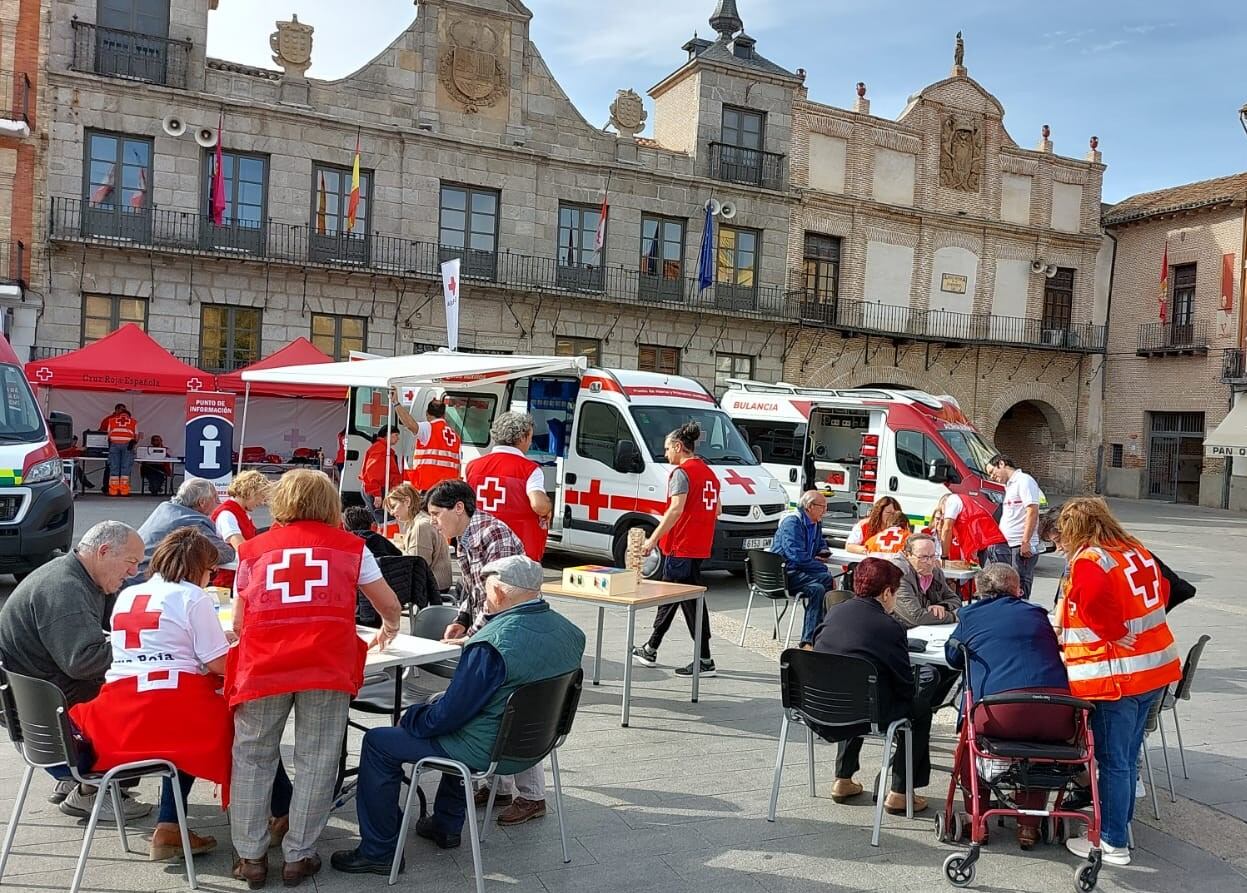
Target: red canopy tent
299,352
127,360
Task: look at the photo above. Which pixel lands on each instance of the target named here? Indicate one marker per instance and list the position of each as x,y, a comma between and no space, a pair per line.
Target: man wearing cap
523,641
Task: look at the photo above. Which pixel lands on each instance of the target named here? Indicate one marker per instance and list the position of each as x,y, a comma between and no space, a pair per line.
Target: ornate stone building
935,252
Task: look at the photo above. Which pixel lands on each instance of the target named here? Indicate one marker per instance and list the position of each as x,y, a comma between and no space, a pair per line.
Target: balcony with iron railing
13,263
1158,339
749,167
15,97
113,53
39,352
1234,364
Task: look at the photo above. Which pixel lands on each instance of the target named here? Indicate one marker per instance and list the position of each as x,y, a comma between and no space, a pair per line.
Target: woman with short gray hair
512,487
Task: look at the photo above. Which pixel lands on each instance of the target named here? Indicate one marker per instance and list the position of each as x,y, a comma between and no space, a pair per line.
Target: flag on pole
1164,286
705,266
101,193
322,199
352,204
218,180
450,291
599,237
139,199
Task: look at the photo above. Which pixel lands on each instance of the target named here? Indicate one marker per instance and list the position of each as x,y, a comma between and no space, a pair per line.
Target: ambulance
860,444
599,438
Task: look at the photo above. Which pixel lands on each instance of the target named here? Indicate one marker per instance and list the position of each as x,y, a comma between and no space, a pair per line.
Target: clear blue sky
1160,85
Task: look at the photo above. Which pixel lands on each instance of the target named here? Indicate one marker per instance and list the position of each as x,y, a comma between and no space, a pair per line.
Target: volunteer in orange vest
686,537
512,487
380,473
123,433
1119,652
976,534
886,512
439,452
247,492
297,649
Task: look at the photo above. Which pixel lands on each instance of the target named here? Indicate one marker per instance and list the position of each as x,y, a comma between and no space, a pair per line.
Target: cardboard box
600,580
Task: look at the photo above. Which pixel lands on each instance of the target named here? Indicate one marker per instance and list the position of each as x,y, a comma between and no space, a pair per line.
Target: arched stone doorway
1035,435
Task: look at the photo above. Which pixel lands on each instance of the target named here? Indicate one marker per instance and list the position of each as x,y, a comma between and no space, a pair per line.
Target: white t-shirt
952,507
857,536
227,526
536,481
164,626
424,431
369,570
1020,492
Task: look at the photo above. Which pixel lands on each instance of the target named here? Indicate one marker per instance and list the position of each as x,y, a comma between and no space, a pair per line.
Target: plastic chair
399,572
766,575
431,623
39,715
1182,692
535,722
833,693
835,597
1151,724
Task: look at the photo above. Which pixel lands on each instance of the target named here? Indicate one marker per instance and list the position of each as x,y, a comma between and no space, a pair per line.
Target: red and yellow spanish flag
322,200
1164,286
352,204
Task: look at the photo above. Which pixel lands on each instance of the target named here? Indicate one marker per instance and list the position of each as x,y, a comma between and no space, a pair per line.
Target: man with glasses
800,541
924,596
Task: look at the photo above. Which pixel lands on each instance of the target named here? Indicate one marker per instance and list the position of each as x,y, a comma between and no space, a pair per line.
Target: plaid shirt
486,539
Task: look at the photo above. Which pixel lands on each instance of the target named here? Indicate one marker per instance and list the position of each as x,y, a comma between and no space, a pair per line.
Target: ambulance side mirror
757,452
940,472
627,459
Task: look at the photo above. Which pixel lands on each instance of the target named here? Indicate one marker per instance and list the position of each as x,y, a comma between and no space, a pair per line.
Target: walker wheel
960,874
941,831
961,825
1063,830
1085,878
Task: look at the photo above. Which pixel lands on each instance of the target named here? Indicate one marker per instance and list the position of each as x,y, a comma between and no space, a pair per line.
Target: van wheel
619,549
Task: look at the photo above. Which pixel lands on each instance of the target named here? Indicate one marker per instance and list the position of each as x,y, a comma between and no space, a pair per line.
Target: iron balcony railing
944,325
1173,337
13,263
1233,364
15,96
39,352
191,232
732,164
114,53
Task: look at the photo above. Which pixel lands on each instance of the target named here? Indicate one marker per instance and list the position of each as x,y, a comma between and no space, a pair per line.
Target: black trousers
682,570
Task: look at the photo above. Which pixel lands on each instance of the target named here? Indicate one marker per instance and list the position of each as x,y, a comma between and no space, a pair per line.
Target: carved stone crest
470,69
292,46
961,154
628,113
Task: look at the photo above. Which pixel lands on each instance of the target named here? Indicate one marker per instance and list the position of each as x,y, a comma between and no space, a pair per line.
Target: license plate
758,542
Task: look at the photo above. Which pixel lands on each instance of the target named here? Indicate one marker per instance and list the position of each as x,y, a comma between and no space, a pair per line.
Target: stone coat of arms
628,113
470,69
961,154
292,46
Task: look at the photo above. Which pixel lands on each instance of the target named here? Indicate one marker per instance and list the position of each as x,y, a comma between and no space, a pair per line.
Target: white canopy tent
1229,439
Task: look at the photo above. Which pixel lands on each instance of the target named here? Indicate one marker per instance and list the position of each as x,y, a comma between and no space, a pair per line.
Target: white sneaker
1113,855
61,790
1140,789
79,805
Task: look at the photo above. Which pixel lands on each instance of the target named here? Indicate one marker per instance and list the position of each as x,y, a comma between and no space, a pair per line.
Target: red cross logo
409,395
452,287
710,496
734,477
300,573
1143,577
594,499
377,409
890,538
452,439
44,374
490,494
194,384
136,620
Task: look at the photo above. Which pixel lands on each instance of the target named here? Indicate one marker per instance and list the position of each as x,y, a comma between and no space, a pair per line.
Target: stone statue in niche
471,70
292,46
961,154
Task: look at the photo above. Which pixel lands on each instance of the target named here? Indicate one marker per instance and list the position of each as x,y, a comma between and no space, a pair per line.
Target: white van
859,444
600,439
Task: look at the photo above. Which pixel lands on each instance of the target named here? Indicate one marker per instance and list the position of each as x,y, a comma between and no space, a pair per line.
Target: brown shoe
293,873
521,811
277,830
253,871
482,798
894,803
1028,836
166,844
844,789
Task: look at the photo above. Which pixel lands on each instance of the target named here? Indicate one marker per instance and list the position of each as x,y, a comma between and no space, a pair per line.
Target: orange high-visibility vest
439,458
1106,671
122,428
891,540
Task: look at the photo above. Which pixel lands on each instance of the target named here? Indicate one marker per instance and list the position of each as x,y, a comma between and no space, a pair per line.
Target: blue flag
705,266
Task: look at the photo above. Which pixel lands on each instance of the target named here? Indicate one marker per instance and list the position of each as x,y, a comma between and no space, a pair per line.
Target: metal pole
346,440
389,414
242,433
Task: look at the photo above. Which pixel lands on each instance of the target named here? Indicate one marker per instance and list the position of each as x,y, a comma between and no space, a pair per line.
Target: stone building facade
1170,383
935,252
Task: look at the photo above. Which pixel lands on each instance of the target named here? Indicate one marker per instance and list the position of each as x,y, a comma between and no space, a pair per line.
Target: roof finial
726,20
959,58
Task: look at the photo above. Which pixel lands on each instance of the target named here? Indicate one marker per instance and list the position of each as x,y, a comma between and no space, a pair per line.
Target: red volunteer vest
500,481
223,577
296,595
975,530
440,458
122,428
693,534
340,456
372,475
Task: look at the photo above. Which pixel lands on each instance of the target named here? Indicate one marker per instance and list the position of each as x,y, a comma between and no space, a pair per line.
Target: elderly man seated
800,541
924,596
523,641
1012,648
191,506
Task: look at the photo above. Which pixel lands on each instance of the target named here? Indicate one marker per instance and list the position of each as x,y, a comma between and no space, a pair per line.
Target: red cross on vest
891,537
1143,577
297,574
746,484
377,409
452,439
136,620
709,496
490,494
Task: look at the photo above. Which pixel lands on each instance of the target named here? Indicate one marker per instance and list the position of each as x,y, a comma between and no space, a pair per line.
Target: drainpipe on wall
1108,314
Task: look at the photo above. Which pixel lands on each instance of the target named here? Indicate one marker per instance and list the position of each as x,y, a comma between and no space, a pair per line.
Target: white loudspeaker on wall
1038,266
713,206
173,125
728,210
206,137
1050,271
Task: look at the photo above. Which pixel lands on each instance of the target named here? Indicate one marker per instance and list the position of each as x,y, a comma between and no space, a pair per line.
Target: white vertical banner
450,290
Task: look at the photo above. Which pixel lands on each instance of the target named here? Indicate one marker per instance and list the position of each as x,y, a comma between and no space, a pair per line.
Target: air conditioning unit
1052,337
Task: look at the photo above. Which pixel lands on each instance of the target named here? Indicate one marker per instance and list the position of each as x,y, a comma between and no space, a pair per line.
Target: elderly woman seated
1012,648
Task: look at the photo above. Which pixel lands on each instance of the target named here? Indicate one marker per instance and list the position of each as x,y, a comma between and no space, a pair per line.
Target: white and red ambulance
599,437
859,444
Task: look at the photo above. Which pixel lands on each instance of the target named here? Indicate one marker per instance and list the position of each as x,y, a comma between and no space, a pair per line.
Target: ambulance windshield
720,444
972,449
20,421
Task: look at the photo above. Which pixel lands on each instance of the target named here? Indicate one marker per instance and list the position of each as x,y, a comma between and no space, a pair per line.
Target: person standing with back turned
1019,520
439,451
686,537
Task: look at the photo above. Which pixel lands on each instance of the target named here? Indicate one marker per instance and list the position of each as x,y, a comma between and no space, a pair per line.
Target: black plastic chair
400,572
766,575
1182,692
537,719
837,695
37,711
835,597
431,623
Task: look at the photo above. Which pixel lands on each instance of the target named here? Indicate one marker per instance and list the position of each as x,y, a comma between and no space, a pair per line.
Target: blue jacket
1011,645
800,540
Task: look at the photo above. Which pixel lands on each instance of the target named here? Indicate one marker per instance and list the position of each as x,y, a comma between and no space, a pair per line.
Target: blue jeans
1025,568
812,587
1118,729
120,460
381,762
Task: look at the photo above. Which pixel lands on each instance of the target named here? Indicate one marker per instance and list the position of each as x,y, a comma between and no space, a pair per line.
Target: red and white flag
450,291
599,237
217,206
1164,286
